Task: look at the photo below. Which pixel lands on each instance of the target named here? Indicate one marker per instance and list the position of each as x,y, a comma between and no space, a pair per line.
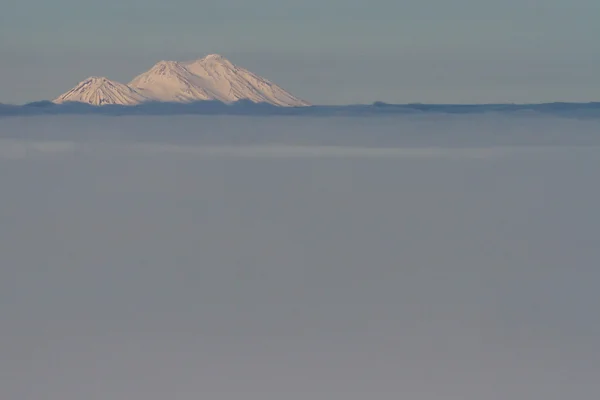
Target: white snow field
212,77
406,257
99,91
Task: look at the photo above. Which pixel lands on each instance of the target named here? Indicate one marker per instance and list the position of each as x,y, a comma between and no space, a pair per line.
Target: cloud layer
267,258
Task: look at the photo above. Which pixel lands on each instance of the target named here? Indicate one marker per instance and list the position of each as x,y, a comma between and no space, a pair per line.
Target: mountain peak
97,79
166,67
212,60
98,90
170,81
212,77
215,57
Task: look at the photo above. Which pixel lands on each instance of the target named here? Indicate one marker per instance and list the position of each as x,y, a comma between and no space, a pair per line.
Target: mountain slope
100,91
170,81
233,83
209,78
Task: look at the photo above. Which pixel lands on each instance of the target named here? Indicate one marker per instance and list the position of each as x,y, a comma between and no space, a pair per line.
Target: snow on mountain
231,82
171,81
98,91
209,78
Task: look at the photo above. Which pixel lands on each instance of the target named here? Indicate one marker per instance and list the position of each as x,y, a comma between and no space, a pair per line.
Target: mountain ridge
212,77
588,110
98,90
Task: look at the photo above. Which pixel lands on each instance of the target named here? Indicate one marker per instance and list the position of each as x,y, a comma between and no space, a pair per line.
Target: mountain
233,83
170,81
98,91
209,78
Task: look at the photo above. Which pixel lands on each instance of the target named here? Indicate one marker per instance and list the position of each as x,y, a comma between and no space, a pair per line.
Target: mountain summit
98,90
212,77
170,81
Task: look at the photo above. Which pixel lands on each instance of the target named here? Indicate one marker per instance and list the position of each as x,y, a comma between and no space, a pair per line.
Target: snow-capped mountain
231,82
209,78
171,81
98,90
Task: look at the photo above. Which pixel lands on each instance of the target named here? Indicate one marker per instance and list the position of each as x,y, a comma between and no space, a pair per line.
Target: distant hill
248,107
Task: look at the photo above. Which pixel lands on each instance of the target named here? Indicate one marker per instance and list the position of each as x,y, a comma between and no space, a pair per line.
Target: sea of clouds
265,258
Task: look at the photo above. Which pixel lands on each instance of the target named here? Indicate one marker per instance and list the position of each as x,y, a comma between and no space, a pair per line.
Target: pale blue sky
327,51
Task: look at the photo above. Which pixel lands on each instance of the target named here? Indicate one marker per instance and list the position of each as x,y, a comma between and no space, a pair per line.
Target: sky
326,51
271,258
